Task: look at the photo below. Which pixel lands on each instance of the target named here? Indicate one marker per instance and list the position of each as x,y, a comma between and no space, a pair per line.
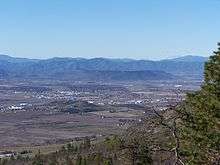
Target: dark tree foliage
79,160
200,129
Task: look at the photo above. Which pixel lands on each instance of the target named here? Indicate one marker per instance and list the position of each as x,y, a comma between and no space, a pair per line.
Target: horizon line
101,57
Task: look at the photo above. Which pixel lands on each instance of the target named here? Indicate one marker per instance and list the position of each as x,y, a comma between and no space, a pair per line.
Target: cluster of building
159,94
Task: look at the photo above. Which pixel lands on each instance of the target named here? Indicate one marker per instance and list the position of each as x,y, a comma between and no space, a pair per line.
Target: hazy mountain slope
189,58
15,60
116,69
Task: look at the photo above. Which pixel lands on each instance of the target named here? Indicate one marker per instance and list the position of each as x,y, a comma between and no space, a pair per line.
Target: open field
37,128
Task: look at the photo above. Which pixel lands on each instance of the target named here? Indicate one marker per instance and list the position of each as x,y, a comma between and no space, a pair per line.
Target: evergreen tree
79,160
84,161
200,131
98,158
53,160
108,162
87,143
143,155
38,159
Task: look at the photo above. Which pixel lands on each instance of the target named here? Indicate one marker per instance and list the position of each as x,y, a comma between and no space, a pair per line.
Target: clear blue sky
141,29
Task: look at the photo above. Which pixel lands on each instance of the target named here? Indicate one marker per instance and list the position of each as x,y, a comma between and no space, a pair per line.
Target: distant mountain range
101,68
189,58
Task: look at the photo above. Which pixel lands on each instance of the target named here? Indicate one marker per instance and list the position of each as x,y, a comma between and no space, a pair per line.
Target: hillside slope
101,68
